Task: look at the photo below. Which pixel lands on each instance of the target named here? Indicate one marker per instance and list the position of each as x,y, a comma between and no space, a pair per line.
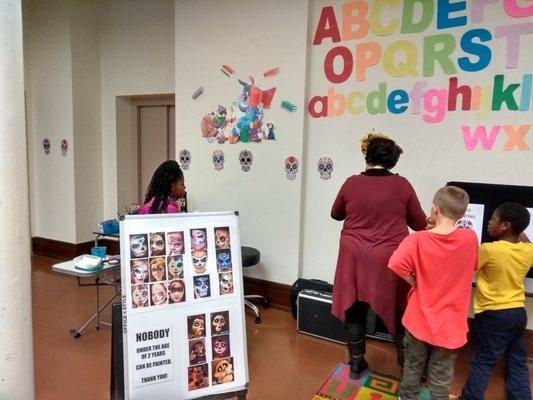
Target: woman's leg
355,325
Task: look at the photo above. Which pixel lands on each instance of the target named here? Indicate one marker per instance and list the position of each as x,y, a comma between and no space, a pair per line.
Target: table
68,268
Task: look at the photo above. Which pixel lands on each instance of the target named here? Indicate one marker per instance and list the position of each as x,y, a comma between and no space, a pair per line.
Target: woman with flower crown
377,207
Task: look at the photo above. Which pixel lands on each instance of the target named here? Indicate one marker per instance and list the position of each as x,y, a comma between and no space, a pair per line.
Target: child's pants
499,334
440,369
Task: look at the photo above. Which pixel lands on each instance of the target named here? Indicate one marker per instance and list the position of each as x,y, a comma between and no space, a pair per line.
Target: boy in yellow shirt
499,305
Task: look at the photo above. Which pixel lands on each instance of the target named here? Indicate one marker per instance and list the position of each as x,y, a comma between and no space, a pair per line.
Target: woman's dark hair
516,214
159,188
382,151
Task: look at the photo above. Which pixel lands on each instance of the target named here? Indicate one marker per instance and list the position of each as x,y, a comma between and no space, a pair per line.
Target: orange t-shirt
443,266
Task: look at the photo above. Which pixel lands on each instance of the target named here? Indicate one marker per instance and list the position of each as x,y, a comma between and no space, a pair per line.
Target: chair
251,257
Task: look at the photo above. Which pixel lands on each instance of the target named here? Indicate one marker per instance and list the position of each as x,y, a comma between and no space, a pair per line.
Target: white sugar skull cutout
138,246
46,146
226,283
218,159
139,296
222,239
198,239
64,147
245,159
199,261
325,167
201,286
185,159
291,167
219,323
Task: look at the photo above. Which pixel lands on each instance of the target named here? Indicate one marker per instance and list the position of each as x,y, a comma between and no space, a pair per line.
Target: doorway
145,138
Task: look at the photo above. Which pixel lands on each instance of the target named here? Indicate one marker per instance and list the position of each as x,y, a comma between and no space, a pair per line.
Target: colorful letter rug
371,385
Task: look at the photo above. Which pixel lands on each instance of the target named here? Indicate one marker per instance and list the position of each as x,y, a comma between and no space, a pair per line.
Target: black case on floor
314,318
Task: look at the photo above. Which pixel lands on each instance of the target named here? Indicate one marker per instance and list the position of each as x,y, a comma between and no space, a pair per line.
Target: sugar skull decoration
46,146
157,269
185,159
223,371
138,246
199,261
220,346
157,244
218,159
202,287
464,223
159,293
219,323
64,147
196,326
198,239
222,239
291,167
223,260
139,296
176,291
175,243
139,271
226,283
198,377
325,167
245,159
175,267
197,351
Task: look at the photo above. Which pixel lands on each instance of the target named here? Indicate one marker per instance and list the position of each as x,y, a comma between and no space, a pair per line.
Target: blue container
110,227
99,251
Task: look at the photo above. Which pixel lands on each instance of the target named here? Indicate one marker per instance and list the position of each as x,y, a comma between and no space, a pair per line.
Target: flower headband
365,140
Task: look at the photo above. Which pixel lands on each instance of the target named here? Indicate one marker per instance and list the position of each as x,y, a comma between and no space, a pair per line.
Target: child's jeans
499,333
440,369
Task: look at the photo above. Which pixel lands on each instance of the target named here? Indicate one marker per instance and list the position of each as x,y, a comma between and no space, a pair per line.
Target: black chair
251,257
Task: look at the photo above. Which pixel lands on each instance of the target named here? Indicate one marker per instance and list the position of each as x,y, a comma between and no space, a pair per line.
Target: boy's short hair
452,201
516,214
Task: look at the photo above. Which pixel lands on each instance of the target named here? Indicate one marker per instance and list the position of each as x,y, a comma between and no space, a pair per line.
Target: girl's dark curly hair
164,176
382,151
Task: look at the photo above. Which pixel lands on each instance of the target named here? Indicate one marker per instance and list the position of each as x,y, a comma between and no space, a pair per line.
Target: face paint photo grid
156,277
198,371
222,362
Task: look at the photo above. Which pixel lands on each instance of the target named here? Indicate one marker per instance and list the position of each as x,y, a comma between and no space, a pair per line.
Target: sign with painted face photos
182,302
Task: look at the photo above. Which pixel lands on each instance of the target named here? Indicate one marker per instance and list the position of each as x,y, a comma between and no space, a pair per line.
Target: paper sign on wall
473,219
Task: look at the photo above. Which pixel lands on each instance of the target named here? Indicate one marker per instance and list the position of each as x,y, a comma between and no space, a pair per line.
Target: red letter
454,90
346,55
311,106
327,27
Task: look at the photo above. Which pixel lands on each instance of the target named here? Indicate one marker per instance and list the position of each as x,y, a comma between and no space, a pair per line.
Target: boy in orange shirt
439,264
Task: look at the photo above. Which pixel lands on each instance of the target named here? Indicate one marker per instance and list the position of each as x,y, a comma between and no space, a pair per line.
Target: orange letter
359,19
366,55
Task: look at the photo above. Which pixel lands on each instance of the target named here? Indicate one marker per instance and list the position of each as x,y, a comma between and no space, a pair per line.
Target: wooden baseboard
277,294
67,251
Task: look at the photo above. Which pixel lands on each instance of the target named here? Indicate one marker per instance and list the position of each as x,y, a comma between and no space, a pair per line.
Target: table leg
97,280
77,332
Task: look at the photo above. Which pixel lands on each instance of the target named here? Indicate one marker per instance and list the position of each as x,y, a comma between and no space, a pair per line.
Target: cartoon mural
243,120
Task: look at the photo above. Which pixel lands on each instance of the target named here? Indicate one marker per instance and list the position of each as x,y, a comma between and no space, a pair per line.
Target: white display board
182,306
473,219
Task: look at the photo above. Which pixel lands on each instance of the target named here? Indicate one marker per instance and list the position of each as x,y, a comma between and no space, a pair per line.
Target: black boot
356,348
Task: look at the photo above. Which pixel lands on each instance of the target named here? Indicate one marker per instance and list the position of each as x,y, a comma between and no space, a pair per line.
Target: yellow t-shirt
502,268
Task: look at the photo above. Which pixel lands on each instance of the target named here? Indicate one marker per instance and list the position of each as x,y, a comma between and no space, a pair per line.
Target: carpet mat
371,385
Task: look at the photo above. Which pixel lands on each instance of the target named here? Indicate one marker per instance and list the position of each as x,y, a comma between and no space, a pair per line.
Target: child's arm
401,261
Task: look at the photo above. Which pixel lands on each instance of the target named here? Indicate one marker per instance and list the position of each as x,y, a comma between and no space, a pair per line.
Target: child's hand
410,279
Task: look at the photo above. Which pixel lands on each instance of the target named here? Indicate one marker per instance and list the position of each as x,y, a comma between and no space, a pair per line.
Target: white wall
137,58
50,115
251,36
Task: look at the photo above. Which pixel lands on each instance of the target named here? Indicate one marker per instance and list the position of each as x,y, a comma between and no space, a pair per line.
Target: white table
68,268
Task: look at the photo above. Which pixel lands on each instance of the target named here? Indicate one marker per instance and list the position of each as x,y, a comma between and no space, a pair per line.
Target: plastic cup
99,251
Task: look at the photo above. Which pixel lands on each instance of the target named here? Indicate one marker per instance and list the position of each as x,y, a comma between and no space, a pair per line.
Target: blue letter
477,49
443,14
397,97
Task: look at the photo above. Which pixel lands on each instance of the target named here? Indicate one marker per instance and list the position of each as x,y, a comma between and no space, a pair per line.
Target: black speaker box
315,319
